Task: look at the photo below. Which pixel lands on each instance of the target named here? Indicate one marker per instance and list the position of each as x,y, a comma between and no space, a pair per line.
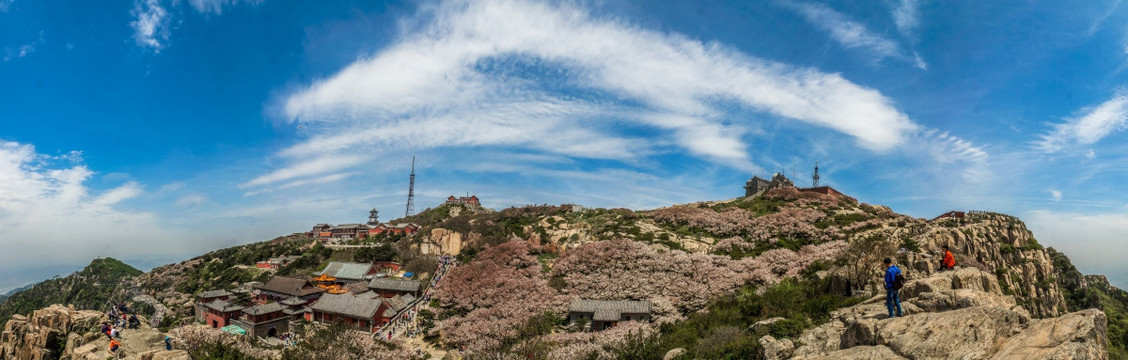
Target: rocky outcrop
959,314
996,243
442,241
44,334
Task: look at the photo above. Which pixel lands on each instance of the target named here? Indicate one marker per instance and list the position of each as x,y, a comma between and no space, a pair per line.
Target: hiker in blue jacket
892,287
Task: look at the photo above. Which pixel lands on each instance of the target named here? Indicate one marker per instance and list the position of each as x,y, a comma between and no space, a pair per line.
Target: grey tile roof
396,304
347,270
394,284
294,301
606,310
223,306
357,287
367,294
348,305
263,309
213,294
289,286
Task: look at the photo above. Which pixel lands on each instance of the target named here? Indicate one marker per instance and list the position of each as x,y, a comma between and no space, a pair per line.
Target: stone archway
272,333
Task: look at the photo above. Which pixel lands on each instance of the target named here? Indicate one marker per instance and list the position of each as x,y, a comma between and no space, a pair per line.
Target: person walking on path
893,283
949,260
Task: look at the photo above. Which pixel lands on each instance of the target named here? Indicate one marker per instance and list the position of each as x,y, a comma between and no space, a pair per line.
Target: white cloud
170,187
950,155
1099,20
462,80
317,166
50,217
306,182
1055,195
906,15
852,34
23,50
216,6
191,200
150,26
1090,126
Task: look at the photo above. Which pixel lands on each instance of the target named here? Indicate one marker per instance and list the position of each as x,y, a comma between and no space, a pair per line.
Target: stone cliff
43,335
959,314
58,332
1000,244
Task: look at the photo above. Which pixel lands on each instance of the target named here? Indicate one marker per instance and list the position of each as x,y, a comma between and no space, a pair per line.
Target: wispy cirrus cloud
906,16
22,50
216,6
855,35
557,79
1090,125
151,18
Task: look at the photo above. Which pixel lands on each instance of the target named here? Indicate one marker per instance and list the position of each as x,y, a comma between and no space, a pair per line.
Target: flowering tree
622,269
196,338
496,294
340,341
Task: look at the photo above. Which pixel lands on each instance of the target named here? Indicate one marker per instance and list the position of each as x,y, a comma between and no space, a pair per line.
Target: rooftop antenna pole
815,178
411,191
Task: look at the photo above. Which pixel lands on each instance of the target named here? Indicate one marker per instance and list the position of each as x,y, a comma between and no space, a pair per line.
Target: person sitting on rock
949,260
114,344
106,330
893,287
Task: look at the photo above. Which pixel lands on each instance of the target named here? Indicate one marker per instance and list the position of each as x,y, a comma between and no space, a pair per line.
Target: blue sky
154,130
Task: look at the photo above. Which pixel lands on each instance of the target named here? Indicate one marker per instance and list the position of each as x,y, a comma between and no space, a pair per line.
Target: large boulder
959,314
1079,335
776,349
858,352
40,335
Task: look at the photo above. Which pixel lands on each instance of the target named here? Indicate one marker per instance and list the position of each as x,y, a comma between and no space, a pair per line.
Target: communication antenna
815,178
411,191
794,168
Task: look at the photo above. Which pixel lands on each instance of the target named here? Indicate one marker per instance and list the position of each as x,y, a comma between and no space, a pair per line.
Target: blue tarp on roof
407,275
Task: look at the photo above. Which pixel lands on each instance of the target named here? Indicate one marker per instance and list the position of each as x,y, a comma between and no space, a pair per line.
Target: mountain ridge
780,224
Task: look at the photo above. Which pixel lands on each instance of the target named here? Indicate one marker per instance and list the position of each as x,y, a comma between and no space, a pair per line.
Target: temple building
267,320
468,200
349,272
281,288
603,314
389,287
757,185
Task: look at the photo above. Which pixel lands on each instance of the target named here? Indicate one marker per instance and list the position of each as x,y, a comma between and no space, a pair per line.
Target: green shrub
1007,249
718,333
910,244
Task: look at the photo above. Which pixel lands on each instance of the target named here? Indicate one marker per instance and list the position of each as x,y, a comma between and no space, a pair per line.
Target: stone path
406,321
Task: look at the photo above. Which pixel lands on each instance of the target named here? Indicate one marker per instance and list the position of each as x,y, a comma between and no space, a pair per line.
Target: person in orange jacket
949,260
114,345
